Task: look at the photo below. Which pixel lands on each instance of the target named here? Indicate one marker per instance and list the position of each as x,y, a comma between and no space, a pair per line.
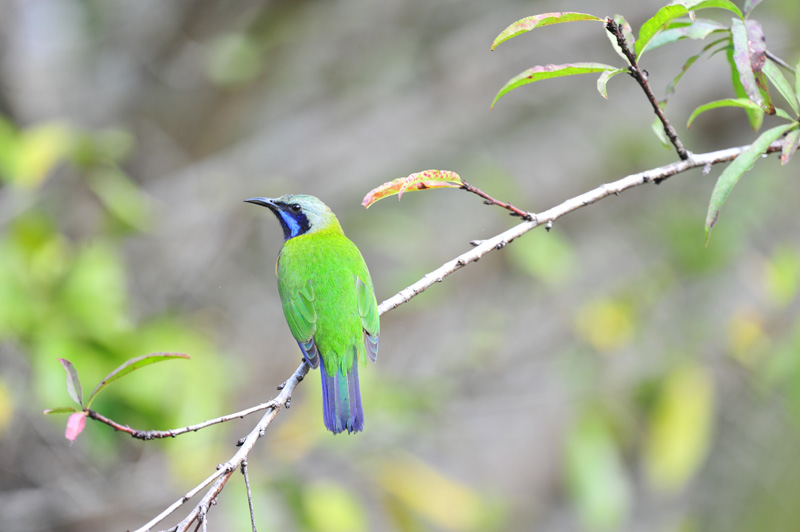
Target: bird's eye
296,207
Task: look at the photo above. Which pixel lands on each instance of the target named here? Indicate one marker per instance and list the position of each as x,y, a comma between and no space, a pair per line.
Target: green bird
328,301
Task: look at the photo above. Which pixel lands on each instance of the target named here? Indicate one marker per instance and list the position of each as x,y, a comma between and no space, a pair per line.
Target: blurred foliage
595,473
63,296
679,429
680,362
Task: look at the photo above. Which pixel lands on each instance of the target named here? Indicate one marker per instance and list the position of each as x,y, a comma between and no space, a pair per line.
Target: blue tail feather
341,400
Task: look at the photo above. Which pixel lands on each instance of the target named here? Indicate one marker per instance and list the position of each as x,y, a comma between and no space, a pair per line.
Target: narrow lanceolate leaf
655,24
60,410
749,5
538,73
797,80
749,56
132,365
779,81
73,382
696,5
790,144
728,102
602,81
627,33
75,425
743,163
755,116
537,21
677,31
658,128
670,90
416,181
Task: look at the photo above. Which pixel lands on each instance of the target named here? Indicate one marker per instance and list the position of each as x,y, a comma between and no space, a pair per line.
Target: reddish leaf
790,144
417,181
749,56
75,425
73,382
132,365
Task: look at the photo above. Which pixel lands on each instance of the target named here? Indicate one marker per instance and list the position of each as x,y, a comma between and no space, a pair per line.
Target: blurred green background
613,374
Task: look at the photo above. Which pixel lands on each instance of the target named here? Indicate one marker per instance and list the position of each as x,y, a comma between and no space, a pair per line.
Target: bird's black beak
264,202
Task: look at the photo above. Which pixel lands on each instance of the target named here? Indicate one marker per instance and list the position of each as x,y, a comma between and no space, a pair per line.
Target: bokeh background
613,374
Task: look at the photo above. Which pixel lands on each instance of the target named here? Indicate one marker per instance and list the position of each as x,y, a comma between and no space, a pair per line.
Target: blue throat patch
293,223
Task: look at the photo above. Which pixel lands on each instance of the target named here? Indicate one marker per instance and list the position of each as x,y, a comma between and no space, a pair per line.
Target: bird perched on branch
328,302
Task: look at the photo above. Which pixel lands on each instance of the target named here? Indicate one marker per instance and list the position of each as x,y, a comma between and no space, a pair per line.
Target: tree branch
224,471
655,176
157,434
641,77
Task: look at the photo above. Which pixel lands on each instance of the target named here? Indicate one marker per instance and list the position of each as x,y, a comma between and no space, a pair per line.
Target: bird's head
299,214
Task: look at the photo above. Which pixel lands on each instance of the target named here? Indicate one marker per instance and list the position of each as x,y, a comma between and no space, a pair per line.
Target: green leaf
749,5
728,102
755,116
537,21
658,128
120,196
657,23
627,33
736,169
670,90
132,365
677,31
73,382
595,473
783,114
696,5
797,80
749,56
603,80
779,81
538,73
61,410
417,181
679,429
790,144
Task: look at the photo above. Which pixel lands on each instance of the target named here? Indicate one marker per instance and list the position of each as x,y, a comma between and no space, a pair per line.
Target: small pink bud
75,425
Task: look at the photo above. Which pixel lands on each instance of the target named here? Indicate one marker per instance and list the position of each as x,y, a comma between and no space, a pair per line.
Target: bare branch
156,434
492,201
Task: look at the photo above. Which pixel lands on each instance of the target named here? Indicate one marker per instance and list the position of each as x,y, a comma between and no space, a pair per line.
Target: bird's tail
341,399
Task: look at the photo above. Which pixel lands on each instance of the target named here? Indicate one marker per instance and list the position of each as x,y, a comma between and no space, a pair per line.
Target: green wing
301,315
370,317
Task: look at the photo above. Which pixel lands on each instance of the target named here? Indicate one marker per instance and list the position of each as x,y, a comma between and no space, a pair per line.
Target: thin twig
491,201
641,77
156,434
655,176
249,494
